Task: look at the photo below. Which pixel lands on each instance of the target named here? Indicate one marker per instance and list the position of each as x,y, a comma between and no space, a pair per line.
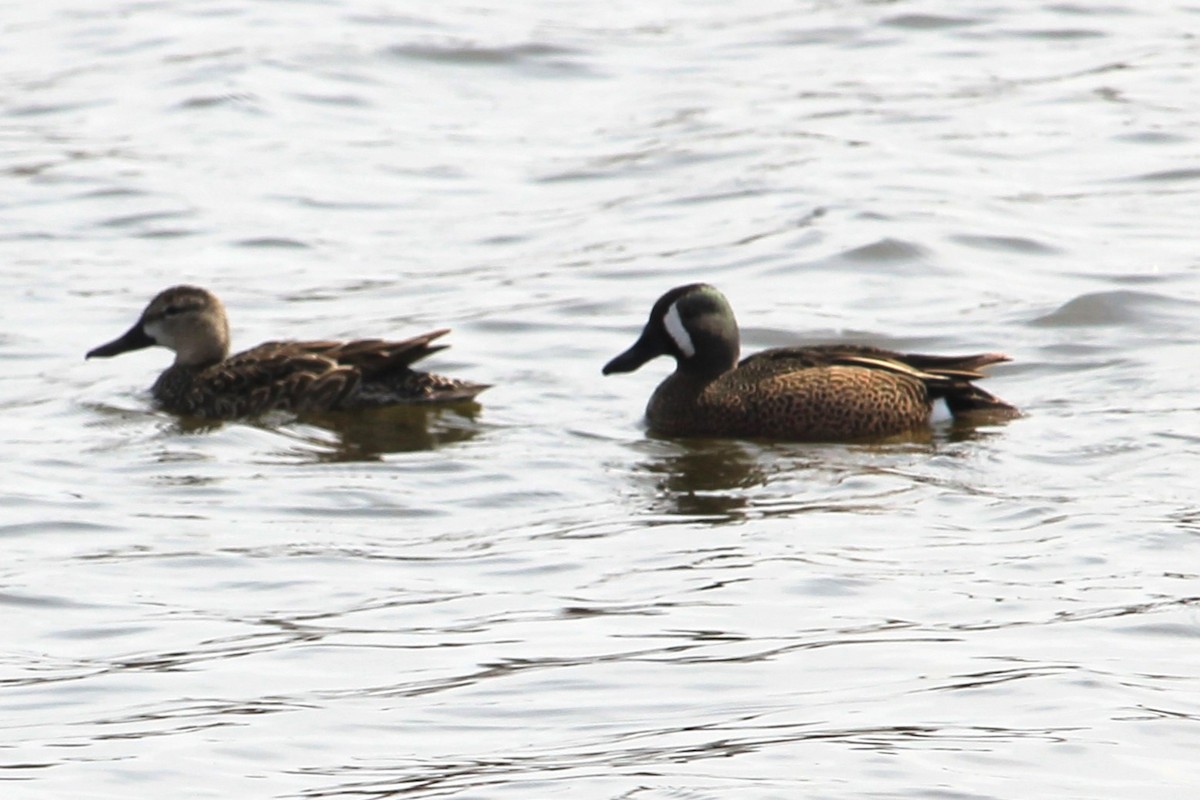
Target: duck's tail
964,399
968,401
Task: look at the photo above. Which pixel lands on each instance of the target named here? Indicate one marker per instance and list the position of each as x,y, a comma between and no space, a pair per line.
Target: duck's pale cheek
154,330
677,331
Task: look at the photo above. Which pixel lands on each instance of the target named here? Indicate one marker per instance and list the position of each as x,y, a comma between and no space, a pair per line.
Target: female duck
822,393
293,376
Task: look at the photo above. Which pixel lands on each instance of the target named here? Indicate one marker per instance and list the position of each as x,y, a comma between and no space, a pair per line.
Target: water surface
534,598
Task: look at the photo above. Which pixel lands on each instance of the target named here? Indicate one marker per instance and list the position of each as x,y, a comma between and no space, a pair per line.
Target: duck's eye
171,311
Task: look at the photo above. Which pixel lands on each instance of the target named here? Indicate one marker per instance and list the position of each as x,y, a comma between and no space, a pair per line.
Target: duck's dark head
187,319
693,324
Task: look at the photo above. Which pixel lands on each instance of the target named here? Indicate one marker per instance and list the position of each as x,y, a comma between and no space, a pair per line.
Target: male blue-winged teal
292,376
821,393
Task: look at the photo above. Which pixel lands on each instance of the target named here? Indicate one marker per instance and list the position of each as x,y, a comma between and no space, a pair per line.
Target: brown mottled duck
819,393
286,375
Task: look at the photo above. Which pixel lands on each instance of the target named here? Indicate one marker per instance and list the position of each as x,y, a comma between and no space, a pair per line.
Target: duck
837,392
298,376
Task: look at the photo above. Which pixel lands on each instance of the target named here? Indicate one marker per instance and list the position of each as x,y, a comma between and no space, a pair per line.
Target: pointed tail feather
955,364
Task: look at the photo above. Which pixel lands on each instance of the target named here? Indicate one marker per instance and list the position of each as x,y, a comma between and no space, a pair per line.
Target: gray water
535,598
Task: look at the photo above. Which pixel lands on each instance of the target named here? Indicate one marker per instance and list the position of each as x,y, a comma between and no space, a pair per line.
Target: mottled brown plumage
822,393
287,375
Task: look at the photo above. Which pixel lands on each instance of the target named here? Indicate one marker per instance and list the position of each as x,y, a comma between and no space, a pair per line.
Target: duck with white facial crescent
817,393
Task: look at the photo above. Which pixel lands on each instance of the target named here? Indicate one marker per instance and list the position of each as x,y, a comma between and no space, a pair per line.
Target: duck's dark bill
631,359
133,339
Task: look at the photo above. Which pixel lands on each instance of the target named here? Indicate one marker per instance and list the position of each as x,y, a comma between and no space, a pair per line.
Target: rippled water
534,598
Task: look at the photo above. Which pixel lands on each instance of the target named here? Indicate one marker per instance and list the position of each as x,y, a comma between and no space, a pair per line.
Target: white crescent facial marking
677,331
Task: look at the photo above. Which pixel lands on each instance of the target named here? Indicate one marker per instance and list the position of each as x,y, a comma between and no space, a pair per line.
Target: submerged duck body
286,375
821,393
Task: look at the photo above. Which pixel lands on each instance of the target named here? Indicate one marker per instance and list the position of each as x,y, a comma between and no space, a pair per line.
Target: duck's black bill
641,352
133,339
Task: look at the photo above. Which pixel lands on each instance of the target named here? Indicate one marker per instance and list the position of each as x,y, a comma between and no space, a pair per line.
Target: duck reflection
367,435
703,477
730,479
